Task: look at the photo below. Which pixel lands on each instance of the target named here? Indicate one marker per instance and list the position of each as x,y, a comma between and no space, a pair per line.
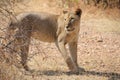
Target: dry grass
101,60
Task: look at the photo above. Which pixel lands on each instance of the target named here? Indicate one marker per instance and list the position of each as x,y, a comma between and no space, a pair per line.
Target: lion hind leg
23,39
24,56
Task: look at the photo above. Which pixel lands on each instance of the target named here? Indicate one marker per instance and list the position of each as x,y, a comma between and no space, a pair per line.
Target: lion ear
64,11
78,12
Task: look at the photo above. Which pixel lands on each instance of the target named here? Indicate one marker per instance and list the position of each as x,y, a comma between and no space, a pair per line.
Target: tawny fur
61,29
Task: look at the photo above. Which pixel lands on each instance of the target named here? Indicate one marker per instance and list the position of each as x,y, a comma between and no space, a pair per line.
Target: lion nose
67,26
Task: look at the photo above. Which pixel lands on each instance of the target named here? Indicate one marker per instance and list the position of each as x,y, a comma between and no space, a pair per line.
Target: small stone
100,40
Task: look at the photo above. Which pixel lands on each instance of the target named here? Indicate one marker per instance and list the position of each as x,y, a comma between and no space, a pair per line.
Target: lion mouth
70,29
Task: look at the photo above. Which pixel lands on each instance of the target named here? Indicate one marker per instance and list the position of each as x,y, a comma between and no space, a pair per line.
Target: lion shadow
110,75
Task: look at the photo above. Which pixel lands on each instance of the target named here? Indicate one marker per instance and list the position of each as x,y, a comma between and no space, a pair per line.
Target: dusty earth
98,47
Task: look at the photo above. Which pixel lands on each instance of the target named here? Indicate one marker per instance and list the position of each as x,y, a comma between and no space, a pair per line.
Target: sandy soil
98,48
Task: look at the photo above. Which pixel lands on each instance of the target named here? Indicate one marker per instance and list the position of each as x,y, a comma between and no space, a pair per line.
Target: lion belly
45,37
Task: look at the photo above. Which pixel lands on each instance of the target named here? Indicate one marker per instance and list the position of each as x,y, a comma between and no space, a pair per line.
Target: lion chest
70,37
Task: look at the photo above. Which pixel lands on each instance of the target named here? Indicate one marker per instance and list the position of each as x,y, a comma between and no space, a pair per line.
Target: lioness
61,29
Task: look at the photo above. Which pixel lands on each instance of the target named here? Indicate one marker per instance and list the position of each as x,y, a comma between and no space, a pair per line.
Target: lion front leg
73,51
70,63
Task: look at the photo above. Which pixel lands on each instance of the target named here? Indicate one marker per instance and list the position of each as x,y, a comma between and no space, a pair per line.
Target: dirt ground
98,47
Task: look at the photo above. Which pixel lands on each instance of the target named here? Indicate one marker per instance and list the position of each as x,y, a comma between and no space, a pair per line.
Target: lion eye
72,19
65,19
